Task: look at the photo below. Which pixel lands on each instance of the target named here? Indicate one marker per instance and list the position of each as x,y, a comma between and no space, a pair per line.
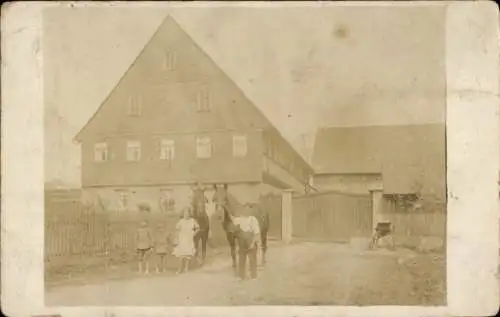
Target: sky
304,67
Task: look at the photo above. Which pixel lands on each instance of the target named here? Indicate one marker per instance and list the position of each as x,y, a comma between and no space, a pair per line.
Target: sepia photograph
283,156
248,158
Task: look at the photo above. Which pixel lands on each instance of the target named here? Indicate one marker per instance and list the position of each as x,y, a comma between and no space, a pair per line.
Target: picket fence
79,235
418,224
430,221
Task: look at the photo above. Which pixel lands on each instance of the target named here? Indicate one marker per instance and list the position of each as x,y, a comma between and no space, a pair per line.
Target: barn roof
406,155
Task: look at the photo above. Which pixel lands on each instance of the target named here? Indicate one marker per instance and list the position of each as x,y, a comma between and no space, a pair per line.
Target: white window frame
134,106
167,149
168,195
170,60
240,145
204,147
204,99
101,152
123,199
133,151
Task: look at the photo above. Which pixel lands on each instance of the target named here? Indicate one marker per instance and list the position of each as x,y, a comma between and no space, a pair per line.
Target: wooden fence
418,224
76,234
332,216
430,221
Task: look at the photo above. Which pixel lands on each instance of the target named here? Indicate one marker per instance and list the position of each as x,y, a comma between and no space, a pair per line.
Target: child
144,243
162,244
186,229
247,231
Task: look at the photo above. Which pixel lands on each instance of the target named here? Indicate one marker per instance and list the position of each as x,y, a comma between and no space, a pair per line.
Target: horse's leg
232,244
204,240
196,247
263,239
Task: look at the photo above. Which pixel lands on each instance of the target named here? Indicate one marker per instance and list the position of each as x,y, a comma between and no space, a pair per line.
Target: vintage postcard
250,159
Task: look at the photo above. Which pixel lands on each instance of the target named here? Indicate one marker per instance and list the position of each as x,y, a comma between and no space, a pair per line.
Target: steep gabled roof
403,154
144,73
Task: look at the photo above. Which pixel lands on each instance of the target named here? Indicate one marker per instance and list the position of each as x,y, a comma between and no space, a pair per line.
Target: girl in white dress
186,229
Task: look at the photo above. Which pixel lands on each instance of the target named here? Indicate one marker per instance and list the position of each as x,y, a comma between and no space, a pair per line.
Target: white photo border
472,66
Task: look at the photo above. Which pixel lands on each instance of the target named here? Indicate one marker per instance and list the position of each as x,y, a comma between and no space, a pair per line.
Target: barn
393,163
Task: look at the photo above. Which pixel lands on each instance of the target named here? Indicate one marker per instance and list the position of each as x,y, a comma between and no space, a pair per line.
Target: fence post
376,195
286,215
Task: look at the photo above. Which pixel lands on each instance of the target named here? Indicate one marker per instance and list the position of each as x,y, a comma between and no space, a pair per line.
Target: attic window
169,60
134,106
204,99
100,152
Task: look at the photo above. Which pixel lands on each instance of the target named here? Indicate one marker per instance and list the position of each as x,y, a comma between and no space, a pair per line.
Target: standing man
247,232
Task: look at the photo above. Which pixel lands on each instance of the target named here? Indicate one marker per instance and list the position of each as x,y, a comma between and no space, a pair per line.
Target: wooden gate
332,216
272,204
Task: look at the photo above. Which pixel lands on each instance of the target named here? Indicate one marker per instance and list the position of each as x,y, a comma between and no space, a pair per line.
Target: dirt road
297,274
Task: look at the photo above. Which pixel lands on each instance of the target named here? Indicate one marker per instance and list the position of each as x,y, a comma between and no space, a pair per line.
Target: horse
200,215
226,206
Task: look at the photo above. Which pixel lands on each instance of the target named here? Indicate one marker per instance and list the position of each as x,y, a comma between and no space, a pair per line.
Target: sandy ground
297,274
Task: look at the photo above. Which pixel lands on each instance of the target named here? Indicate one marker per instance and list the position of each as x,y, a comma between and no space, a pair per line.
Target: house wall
169,99
352,183
109,197
184,168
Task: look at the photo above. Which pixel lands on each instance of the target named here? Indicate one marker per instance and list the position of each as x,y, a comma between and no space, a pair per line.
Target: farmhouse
173,119
388,161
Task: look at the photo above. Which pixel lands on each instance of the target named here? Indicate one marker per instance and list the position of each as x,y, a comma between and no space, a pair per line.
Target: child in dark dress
162,246
144,244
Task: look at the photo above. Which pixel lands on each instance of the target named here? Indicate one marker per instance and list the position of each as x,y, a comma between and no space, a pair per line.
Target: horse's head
220,201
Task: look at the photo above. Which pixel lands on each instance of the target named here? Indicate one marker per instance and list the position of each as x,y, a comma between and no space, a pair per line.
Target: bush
144,207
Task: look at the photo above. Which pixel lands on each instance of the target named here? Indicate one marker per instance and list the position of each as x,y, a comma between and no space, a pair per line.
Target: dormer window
169,60
204,99
134,106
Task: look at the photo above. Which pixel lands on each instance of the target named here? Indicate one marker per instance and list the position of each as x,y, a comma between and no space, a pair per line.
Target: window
167,149
203,147
100,152
239,145
122,200
169,60
134,106
204,99
167,201
133,151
